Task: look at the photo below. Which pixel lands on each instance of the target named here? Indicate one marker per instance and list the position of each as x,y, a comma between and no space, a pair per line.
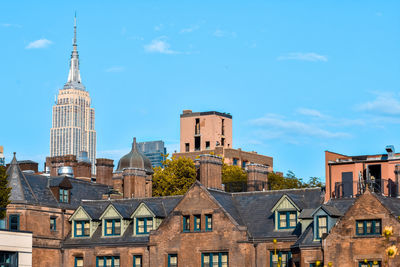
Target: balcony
356,188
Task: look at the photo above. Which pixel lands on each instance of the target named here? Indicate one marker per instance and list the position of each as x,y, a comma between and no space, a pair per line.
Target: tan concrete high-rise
73,118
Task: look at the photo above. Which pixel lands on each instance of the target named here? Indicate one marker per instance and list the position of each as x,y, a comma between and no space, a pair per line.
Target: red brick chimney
104,171
134,180
210,171
257,177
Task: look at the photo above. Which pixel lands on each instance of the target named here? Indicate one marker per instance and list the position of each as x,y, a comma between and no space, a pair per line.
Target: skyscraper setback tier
73,118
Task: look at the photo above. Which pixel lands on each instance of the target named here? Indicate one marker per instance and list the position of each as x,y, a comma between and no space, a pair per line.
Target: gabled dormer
144,220
324,218
83,225
61,190
285,213
113,222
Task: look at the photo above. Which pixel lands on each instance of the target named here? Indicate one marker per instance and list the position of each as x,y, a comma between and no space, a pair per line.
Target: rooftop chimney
390,151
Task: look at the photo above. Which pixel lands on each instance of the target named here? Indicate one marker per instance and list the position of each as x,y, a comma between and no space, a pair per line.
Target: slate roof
35,189
253,209
306,239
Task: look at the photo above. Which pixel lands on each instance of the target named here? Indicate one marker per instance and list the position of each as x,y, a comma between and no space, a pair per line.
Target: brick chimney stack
211,171
397,178
104,171
257,179
134,180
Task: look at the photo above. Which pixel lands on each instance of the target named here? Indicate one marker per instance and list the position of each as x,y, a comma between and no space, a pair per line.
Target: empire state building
73,118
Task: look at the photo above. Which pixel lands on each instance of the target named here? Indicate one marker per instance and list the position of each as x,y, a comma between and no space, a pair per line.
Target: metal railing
356,188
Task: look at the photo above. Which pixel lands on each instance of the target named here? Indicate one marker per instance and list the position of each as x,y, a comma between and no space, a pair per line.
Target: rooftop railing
355,188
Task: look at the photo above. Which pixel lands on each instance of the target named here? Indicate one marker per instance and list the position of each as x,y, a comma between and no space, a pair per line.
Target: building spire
74,76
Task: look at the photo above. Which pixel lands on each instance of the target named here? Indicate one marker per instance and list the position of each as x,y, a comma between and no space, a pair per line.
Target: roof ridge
273,191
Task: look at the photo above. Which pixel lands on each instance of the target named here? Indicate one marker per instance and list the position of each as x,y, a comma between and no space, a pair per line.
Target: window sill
196,232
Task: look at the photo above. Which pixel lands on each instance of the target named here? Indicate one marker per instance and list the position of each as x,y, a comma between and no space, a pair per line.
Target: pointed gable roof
21,191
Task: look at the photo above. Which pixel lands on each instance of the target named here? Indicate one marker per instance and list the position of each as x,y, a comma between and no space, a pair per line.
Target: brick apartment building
211,132
80,223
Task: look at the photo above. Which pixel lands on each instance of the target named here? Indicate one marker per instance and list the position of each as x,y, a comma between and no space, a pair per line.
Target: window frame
53,222
196,218
10,224
208,226
169,259
76,261
113,232
104,258
82,223
137,257
373,227
279,253
211,254
63,195
186,223
370,263
145,230
287,213
318,226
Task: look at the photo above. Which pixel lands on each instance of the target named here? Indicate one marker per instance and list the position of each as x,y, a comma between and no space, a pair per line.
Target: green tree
175,178
234,178
5,192
290,181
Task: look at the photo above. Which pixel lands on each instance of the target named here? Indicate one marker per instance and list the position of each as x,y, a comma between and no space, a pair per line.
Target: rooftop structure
2,158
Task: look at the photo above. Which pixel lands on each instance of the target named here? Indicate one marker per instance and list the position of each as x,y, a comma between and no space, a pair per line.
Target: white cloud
220,33
310,112
115,69
190,29
10,25
158,27
159,46
384,103
41,43
280,126
314,57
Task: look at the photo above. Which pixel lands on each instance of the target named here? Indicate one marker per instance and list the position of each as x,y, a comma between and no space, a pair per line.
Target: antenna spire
75,29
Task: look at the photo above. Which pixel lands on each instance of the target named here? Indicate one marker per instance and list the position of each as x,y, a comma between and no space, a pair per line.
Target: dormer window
82,228
322,226
64,195
112,227
287,219
144,225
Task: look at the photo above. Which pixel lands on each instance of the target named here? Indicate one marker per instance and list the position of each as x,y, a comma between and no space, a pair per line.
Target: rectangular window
369,264
322,226
187,147
186,223
14,222
144,225
244,164
8,259
64,195
82,228
3,223
172,260
315,264
287,219
281,259
53,225
112,227
209,223
207,144
78,262
107,261
368,227
197,223
235,161
214,259
137,260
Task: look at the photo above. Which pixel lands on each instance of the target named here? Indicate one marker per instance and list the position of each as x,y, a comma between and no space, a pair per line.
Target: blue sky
299,77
